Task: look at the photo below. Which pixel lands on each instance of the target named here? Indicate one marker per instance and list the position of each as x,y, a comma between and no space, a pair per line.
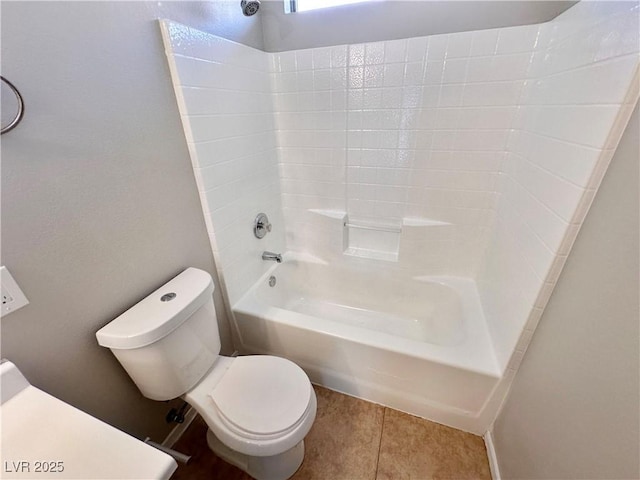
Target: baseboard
491,454
179,429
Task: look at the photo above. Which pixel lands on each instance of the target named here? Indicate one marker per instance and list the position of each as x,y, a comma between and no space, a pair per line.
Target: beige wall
99,202
573,411
393,19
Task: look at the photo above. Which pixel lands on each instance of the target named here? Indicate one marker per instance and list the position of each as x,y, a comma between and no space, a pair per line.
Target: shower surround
460,159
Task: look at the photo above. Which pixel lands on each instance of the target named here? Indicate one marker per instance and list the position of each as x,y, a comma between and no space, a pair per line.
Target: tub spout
275,257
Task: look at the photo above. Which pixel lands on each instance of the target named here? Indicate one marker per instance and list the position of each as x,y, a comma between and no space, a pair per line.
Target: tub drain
272,281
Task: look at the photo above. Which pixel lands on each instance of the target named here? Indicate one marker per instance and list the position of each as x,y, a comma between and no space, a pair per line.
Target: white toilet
258,408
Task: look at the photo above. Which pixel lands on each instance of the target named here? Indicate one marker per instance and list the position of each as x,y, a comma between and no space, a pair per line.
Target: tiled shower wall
403,129
573,112
224,96
494,134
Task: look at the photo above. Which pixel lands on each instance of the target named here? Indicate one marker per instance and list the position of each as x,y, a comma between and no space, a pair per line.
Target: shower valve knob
261,225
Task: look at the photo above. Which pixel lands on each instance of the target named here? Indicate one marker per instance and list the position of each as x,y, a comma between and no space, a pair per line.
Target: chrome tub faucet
274,257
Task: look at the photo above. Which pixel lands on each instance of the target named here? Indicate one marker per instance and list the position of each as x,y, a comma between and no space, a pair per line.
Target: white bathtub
417,344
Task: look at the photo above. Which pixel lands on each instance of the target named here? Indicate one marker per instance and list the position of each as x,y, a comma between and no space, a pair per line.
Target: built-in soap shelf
335,214
376,227
422,222
369,238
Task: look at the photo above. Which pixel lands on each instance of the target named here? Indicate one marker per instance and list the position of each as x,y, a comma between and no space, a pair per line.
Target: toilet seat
279,398
262,396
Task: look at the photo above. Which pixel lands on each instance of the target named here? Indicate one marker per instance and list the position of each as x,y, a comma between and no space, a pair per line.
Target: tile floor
352,439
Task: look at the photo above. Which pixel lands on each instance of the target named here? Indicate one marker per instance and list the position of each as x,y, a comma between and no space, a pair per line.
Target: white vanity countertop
43,437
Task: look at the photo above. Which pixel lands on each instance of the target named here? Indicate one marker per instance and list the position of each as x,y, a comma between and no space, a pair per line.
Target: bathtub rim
477,339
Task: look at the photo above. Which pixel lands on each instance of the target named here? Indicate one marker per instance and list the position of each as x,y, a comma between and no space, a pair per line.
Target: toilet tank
169,340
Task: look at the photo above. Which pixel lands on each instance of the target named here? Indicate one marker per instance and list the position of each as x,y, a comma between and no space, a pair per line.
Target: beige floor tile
416,449
344,443
344,440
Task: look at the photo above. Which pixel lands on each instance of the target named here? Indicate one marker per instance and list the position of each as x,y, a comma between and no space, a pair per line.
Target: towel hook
14,123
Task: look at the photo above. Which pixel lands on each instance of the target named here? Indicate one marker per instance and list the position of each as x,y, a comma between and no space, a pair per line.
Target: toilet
258,408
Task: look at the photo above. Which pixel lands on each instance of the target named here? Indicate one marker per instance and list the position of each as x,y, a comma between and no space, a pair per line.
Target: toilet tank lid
160,313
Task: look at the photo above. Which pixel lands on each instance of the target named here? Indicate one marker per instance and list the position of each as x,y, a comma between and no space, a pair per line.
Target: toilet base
275,467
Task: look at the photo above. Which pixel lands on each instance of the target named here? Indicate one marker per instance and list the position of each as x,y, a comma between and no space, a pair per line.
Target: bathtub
414,343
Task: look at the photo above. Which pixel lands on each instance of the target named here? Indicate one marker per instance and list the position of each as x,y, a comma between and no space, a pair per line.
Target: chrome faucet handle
261,225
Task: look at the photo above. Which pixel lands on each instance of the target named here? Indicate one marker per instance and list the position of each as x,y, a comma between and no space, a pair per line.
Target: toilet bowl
258,408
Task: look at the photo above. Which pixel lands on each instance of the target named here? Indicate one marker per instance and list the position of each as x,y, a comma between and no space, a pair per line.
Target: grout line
384,416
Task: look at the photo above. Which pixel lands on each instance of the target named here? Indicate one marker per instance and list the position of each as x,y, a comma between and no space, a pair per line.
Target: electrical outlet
6,297
12,296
